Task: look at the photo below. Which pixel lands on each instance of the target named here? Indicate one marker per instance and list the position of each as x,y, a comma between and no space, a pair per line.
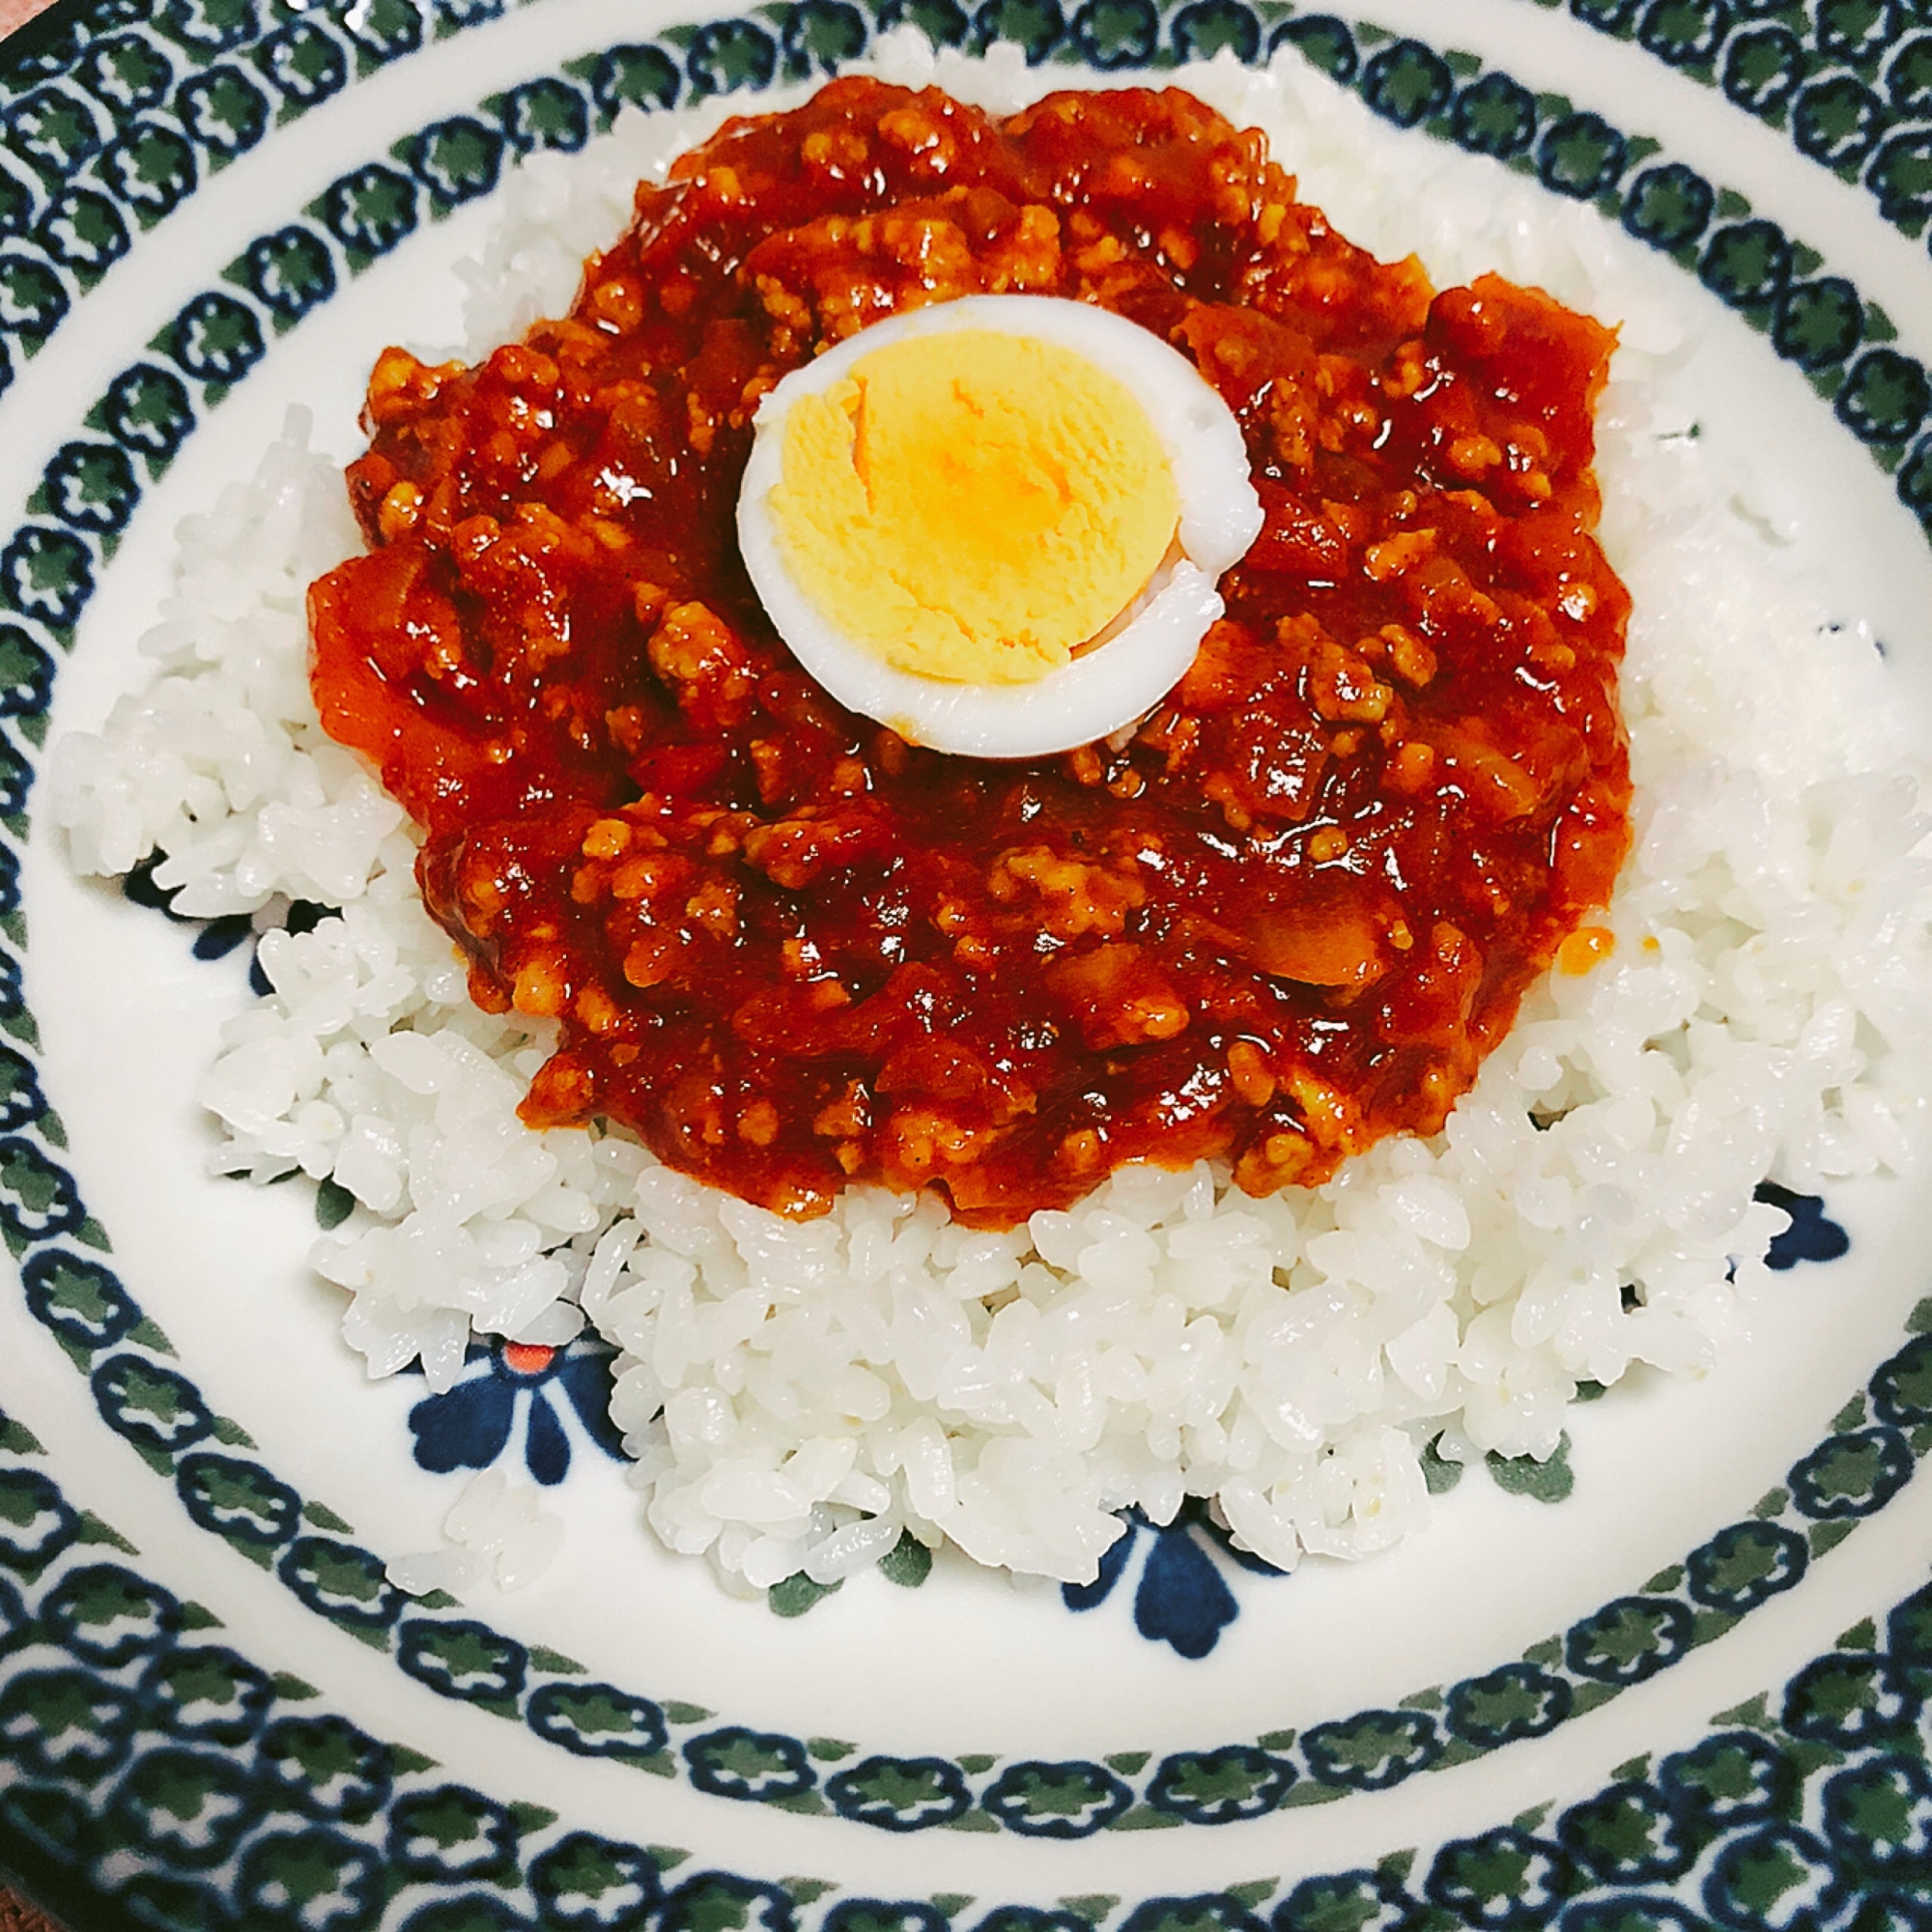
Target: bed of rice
797,1396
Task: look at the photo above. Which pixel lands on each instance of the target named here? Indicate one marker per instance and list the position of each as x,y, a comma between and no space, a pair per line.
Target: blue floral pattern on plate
471,1423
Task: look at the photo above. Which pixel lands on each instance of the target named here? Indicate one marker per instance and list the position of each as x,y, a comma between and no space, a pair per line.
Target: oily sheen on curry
1285,915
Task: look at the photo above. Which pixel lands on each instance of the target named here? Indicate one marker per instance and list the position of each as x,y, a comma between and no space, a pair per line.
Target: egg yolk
973,505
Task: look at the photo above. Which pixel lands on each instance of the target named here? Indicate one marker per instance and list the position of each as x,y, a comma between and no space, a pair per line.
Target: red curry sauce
1289,915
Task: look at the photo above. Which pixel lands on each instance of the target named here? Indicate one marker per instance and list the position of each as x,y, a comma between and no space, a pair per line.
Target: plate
1681,1674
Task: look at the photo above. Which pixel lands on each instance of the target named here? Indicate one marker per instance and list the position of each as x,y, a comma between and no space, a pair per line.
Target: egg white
1110,683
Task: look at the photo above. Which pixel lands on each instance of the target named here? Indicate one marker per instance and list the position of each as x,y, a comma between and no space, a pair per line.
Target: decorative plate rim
209,343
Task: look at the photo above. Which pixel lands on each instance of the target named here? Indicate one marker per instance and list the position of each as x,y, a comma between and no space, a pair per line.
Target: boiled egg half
996,524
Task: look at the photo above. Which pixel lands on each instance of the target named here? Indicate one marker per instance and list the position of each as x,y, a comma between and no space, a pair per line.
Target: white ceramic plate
1696,1688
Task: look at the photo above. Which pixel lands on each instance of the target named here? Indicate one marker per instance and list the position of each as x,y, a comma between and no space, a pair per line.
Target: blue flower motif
217,938
452,1833
1506,1881
464,1659
1812,1235
1072,1799
759,1766
470,1424
1182,1598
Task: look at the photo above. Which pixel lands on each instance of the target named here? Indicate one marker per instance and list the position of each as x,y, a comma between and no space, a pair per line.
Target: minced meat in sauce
1288,915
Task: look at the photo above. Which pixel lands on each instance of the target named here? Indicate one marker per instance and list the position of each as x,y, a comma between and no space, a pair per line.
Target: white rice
796,1396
